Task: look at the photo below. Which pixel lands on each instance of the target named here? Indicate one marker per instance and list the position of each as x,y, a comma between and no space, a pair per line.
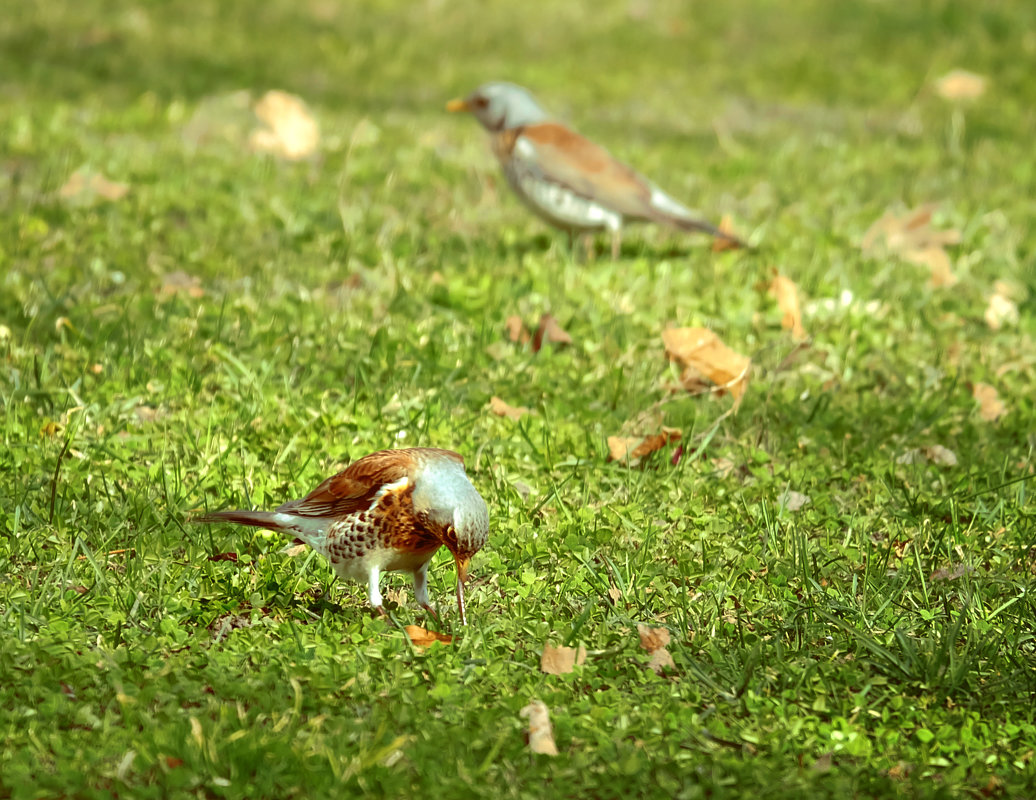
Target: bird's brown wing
565,157
354,488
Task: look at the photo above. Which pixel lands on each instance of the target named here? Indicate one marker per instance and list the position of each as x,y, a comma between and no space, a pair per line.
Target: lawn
845,566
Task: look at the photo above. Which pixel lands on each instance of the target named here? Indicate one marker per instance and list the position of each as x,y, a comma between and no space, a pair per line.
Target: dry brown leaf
634,448
936,454
50,429
938,262
425,638
701,353
516,330
85,187
292,132
1001,311
991,407
502,409
295,549
719,244
561,660
654,640
786,293
661,660
549,330
793,501
177,282
910,231
651,639
960,84
541,734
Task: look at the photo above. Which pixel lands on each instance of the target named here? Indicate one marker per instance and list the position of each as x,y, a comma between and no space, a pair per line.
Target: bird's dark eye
481,102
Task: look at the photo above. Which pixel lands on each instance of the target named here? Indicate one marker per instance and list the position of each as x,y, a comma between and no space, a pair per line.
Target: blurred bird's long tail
668,211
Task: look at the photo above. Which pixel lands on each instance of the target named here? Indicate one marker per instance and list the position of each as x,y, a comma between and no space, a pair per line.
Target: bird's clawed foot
432,611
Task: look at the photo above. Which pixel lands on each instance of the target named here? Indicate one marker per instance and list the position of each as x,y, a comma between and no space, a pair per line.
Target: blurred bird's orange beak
462,577
458,105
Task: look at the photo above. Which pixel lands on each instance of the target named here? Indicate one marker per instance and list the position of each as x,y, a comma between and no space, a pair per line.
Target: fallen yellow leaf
516,330
906,232
719,244
991,407
938,262
425,638
701,353
1001,311
786,293
960,84
561,660
541,734
502,409
292,132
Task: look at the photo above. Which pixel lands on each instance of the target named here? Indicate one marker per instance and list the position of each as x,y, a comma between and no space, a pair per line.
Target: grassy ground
876,642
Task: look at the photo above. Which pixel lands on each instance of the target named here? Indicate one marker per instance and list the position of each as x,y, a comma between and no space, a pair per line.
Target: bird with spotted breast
565,178
390,510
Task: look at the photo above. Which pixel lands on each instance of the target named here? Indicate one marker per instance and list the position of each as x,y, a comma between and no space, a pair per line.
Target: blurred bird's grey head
500,106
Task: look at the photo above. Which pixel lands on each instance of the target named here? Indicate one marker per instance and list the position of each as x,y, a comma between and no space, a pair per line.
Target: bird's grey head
500,106
450,501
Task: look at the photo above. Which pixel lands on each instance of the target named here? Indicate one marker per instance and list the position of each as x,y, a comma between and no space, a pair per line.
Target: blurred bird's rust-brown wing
353,489
573,161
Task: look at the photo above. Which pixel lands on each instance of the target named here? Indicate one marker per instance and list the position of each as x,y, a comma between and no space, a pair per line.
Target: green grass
877,642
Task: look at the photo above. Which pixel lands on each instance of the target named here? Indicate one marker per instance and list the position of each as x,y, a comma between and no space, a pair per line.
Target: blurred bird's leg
616,243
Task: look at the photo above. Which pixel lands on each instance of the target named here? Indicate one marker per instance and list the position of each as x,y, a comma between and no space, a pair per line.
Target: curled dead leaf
549,330
907,232
701,353
541,733
991,407
786,293
960,84
502,409
291,131
634,448
425,638
561,660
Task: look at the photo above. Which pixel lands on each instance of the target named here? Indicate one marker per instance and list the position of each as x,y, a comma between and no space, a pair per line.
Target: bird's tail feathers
670,212
272,520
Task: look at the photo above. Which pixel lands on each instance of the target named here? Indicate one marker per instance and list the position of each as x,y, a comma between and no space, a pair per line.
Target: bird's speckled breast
390,524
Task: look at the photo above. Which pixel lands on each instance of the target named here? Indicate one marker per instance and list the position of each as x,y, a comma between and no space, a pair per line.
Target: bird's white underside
556,203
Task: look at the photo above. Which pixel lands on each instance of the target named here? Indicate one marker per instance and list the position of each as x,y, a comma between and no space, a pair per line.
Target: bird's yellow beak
462,577
462,568
458,105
